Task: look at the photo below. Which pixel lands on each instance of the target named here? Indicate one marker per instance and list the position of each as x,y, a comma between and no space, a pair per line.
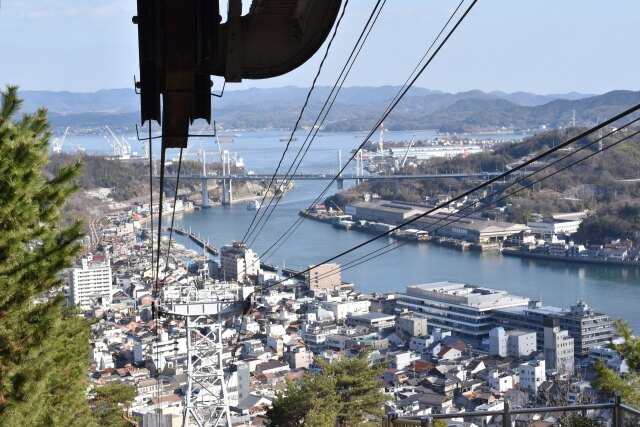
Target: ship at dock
253,205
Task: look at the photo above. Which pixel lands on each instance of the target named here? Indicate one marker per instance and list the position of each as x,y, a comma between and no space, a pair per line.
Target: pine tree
109,402
43,345
345,393
608,381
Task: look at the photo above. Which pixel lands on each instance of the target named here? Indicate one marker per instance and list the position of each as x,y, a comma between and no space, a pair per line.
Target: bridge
321,169
227,179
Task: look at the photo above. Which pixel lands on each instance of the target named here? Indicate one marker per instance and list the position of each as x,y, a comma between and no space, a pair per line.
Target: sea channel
610,289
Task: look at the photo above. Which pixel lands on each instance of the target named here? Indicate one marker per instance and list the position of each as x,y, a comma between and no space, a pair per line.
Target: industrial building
439,224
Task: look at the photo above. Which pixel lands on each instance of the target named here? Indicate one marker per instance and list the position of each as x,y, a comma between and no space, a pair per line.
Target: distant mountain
356,108
111,101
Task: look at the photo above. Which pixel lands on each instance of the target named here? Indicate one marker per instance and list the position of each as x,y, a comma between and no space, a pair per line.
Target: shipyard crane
406,153
121,147
57,143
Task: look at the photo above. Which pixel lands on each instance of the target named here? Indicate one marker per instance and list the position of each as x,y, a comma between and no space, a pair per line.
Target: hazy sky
542,46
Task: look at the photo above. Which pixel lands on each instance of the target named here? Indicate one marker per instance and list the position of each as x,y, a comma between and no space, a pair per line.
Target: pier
197,239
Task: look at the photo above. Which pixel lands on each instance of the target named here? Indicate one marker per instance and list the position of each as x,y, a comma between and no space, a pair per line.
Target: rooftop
468,295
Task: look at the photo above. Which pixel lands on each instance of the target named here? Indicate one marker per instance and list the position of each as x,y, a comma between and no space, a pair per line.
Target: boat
295,138
253,205
238,162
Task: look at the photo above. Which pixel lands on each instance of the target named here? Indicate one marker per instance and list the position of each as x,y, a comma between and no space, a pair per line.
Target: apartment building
90,285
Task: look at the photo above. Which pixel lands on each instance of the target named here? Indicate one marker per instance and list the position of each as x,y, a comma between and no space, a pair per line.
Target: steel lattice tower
206,403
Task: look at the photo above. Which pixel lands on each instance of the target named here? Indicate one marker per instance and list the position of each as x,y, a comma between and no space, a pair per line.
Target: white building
163,349
500,381
558,347
551,227
464,309
532,375
511,343
90,284
341,309
238,261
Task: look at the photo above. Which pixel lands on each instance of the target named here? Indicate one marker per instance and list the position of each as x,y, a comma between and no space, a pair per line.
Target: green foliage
128,179
609,382
43,346
439,423
617,220
109,401
581,421
346,393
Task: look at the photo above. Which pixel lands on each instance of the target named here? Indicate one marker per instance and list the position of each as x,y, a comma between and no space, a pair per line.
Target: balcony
621,415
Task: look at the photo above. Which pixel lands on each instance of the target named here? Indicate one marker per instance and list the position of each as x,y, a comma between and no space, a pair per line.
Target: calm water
612,290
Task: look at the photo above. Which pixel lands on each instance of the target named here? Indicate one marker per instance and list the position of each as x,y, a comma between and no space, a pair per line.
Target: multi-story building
374,321
464,309
324,276
91,284
514,343
408,322
558,347
315,335
238,261
532,375
341,309
587,327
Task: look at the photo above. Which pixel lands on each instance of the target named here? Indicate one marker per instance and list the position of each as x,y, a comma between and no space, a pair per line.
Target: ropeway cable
475,188
401,93
295,127
335,90
399,243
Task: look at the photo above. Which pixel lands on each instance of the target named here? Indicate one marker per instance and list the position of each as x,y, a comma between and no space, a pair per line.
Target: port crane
121,147
57,143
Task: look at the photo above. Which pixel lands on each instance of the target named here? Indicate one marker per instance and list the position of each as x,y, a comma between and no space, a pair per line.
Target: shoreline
572,260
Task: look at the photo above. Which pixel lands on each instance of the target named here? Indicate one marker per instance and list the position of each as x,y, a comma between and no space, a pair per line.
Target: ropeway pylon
206,403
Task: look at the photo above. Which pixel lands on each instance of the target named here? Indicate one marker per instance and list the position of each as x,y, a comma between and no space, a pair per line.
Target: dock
197,239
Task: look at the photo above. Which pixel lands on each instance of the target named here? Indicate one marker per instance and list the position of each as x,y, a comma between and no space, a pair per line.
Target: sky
540,46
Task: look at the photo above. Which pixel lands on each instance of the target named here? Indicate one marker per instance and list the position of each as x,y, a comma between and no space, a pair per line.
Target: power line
476,188
394,102
295,127
372,255
335,90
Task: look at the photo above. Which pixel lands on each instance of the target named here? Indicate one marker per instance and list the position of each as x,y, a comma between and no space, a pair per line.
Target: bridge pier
340,184
204,191
227,192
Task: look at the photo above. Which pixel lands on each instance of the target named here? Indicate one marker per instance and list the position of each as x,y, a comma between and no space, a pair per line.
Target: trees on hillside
345,393
43,344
